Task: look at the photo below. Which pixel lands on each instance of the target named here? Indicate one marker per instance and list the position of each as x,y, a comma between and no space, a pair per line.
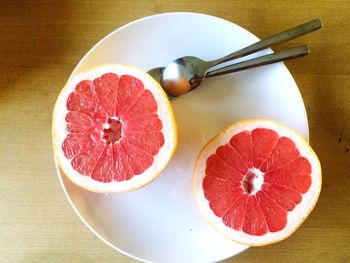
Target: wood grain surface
40,44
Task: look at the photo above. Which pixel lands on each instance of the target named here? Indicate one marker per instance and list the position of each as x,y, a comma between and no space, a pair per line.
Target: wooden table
40,44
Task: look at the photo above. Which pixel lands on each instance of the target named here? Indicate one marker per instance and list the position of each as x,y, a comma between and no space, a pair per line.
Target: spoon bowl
184,74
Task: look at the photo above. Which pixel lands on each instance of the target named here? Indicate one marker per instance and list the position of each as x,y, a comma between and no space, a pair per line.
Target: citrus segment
235,216
106,88
143,124
295,175
254,220
144,105
230,156
217,168
283,153
263,143
113,124
257,181
104,169
221,203
149,142
87,159
137,159
123,169
242,143
274,215
286,197
130,90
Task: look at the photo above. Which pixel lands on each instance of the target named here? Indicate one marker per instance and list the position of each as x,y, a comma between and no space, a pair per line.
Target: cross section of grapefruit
257,181
113,129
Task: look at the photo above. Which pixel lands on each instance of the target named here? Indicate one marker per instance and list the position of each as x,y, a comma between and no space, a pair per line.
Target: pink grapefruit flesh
257,181
116,123
99,110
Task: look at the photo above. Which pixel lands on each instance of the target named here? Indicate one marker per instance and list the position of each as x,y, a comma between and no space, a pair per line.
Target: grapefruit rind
164,112
295,217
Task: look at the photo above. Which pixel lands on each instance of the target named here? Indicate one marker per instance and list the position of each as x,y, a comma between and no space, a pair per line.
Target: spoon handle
263,60
273,40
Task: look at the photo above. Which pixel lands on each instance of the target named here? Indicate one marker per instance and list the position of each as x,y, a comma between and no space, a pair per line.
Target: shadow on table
35,41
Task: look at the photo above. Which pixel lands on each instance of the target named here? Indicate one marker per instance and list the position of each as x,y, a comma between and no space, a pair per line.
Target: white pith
295,217
257,181
164,113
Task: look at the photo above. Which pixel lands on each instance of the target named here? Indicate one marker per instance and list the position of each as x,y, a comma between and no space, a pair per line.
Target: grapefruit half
257,181
113,129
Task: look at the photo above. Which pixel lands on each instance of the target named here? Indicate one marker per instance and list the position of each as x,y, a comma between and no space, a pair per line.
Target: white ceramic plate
160,222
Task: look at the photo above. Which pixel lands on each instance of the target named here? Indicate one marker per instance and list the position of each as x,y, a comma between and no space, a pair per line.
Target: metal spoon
186,73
